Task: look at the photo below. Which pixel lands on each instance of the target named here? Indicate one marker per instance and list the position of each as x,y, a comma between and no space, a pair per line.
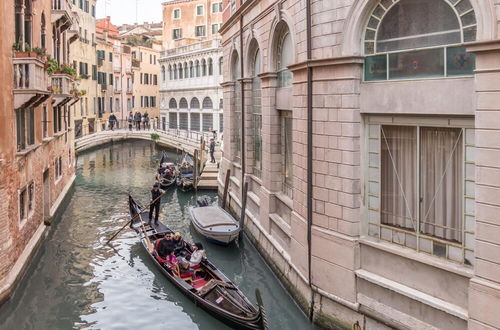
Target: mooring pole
226,189
243,205
195,176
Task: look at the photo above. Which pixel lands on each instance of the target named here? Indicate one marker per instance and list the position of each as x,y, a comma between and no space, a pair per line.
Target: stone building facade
191,67
83,56
368,132
37,159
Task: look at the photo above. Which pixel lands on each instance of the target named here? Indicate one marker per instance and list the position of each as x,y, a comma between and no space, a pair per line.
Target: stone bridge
188,141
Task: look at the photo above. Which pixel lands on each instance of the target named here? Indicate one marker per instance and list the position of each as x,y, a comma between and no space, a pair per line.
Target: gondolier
155,207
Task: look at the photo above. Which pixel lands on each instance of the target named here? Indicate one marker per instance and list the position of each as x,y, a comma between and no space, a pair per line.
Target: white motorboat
214,223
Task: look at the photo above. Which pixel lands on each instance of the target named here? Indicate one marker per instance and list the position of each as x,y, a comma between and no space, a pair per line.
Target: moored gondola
185,172
206,286
167,172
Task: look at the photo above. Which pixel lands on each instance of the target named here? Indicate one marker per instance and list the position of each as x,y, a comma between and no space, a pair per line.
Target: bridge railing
89,128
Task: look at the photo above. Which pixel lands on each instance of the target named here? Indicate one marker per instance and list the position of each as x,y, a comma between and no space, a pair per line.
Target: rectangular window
257,125
221,122
199,10
110,56
22,205
31,197
177,13
215,7
287,152
195,121
94,72
176,34
183,121
207,120
45,122
93,10
215,28
111,79
25,128
58,168
155,79
172,120
199,31
420,188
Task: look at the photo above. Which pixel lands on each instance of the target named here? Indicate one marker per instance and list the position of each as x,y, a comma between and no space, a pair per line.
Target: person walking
156,192
130,120
145,121
212,150
112,121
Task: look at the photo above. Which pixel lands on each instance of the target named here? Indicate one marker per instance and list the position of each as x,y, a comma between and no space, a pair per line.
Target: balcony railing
118,89
61,87
30,80
117,68
215,43
61,11
130,90
136,64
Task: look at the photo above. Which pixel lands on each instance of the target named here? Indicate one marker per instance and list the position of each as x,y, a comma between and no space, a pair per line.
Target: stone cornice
267,75
227,84
483,46
345,60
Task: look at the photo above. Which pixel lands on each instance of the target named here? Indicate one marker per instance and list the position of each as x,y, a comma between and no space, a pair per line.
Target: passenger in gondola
179,242
172,259
197,255
165,246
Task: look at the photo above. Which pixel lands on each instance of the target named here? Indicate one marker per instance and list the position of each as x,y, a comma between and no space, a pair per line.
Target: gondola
185,172
167,172
206,286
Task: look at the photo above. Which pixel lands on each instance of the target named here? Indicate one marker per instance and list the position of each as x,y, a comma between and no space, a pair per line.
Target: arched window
203,67
170,72
197,68
191,69
175,71
284,55
256,109
210,67
163,73
172,104
23,22
183,104
236,105
220,66
181,71
409,39
195,104
207,103
43,33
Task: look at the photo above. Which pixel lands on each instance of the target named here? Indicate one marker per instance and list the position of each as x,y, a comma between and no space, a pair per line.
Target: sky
124,11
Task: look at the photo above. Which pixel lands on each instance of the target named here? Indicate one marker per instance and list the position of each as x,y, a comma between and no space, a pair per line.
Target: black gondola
185,172
207,287
167,173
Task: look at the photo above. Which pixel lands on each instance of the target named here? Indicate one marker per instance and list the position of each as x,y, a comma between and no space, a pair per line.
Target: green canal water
76,282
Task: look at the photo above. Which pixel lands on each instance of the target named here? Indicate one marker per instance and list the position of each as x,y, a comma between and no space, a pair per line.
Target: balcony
61,14
136,64
30,80
62,85
204,45
130,90
118,90
117,68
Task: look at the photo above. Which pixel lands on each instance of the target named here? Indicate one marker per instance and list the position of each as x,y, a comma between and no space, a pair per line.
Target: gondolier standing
155,207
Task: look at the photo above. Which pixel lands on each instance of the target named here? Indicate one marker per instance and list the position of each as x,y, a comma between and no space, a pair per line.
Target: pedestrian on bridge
130,121
112,121
138,119
212,150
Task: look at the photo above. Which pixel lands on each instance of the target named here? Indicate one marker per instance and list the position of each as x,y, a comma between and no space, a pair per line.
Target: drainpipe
309,149
242,148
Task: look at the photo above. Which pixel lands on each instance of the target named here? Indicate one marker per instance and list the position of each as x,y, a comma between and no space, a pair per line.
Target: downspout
242,147
309,150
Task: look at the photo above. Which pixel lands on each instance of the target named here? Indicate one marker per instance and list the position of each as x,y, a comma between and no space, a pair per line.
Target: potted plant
52,66
20,52
40,52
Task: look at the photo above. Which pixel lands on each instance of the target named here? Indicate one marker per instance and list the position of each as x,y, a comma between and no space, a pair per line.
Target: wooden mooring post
226,188
196,170
243,205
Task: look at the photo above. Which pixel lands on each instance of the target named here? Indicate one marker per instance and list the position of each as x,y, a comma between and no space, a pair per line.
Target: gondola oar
133,218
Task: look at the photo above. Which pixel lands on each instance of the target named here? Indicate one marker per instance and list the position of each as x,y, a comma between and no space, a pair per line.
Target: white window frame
217,25
176,10
217,6
202,10
375,230
173,34
196,31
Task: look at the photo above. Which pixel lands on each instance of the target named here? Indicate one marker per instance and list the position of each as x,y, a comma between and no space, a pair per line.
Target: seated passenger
179,243
172,259
184,269
165,246
197,255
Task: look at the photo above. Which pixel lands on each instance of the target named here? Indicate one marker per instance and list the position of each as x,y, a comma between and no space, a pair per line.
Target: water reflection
77,283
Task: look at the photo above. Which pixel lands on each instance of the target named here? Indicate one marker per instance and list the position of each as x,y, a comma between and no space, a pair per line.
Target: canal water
77,282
